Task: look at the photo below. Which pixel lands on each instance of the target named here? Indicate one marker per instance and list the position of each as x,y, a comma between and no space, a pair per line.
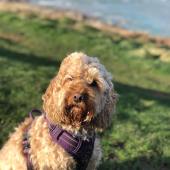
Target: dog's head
82,93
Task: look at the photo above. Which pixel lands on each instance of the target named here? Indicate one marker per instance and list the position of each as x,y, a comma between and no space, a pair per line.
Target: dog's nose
78,97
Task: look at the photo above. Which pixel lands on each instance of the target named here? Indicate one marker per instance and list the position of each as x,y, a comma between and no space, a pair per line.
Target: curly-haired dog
79,100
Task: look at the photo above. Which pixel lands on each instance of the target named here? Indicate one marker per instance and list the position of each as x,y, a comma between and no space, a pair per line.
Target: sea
150,16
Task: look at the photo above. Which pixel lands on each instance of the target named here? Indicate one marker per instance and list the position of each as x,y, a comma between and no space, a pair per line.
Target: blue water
151,16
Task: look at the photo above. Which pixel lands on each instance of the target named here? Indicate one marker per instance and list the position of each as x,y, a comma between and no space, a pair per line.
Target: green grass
31,50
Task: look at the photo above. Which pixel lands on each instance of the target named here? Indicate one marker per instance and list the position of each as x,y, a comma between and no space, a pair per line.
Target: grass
31,50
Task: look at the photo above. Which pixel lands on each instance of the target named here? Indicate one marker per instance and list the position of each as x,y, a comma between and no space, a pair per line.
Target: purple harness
81,150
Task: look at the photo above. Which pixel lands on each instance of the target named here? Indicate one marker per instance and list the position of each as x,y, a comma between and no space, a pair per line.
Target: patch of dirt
11,37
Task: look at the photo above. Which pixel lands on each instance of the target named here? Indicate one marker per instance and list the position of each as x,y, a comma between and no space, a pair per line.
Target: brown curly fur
78,75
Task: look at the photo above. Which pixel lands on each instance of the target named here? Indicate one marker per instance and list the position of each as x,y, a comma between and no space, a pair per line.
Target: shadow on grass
28,58
139,163
132,95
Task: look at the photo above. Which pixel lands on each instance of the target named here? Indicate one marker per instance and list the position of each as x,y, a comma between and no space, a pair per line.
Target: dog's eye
68,78
94,84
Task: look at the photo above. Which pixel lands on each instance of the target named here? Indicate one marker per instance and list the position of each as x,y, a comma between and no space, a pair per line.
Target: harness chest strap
81,150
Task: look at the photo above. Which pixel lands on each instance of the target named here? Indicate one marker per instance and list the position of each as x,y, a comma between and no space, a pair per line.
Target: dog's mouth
78,113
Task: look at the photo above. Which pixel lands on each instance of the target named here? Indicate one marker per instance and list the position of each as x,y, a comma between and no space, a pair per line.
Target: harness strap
26,143
65,139
26,147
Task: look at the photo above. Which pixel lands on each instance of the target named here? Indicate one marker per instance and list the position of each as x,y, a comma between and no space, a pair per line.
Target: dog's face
81,93
79,100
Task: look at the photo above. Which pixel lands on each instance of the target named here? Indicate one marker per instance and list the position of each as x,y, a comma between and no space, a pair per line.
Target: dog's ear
53,101
49,98
49,91
105,117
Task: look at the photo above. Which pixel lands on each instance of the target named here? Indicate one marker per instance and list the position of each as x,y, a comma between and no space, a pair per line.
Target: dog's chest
47,153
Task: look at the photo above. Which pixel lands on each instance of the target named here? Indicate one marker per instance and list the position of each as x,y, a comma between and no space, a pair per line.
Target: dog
79,101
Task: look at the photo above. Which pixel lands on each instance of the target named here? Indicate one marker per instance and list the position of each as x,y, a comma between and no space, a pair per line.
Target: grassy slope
31,50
